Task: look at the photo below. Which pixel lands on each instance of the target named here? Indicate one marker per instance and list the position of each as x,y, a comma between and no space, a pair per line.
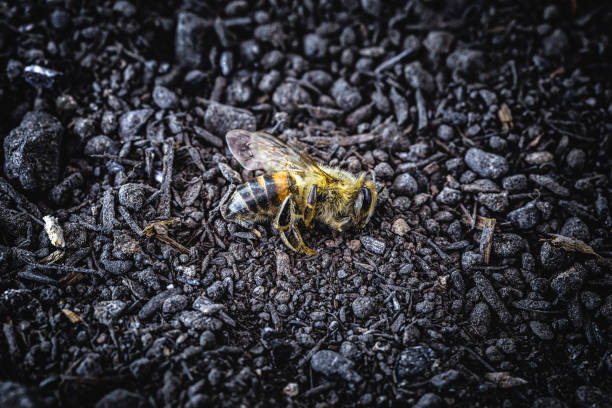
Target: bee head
364,204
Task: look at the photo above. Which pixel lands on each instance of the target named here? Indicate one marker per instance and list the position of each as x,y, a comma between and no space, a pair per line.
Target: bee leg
224,203
341,223
286,214
285,223
310,207
298,244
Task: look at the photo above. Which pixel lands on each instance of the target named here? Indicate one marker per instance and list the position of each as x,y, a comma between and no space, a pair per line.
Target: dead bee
294,188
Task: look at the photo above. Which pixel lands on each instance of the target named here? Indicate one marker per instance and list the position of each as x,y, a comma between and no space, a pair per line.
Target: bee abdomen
259,196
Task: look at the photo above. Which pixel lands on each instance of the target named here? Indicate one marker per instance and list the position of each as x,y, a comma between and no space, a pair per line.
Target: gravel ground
483,278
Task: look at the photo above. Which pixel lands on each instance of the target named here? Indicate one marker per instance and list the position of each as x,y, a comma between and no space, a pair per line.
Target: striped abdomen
260,197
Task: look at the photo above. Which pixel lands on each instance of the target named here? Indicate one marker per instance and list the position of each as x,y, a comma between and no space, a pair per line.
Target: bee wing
260,150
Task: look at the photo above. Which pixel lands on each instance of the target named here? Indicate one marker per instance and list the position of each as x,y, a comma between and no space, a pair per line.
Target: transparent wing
260,150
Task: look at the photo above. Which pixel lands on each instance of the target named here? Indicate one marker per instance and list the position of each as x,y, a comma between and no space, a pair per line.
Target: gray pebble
429,400
132,196
108,311
415,361
175,303
32,152
486,164
289,95
574,227
480,318
363,306
405,184
333,364
418,77
465,60
373,245
449,196
507,244
347,97
525,217
542,330
568,281
131,122
496,202
220,119
164,98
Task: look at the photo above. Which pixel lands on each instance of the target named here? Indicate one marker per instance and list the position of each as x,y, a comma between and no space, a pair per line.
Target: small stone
333,364
589,396
373,245
164,98
99,145
507,245
40,77
488,97
216,290
492,297
445,132
551,257
175,304
108,311
363,306
549,183
315,46
208,340
415,361
555,44
496,202
32,152
465,60
525,217
574,227
289,95
418,77
438,43
548,402
220,119
383,171
132,196
131,122
405,184
121,398
576,159
89,366
537,158
190,39
568,281
480,319
449,196
444,380
486,164
16,395
400,227
347,97
429,400
470,259
515,183
590,300
424,307
542,330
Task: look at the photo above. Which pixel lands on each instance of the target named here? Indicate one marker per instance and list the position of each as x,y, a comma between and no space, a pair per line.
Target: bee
294,190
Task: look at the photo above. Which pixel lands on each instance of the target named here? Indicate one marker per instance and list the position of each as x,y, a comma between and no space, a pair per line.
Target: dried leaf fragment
159,230
572,244
486,238
53,257
73,317
54,231
503,379
505,116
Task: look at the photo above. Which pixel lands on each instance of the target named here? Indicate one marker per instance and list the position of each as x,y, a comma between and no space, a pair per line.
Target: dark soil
483,279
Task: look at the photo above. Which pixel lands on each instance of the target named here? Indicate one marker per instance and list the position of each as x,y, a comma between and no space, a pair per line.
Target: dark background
405,312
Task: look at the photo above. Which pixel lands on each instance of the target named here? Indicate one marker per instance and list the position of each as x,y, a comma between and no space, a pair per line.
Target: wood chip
571,244
486,238
504,379
73,317
505,116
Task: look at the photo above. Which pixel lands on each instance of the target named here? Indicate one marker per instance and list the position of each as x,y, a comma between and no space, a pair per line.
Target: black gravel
483,279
